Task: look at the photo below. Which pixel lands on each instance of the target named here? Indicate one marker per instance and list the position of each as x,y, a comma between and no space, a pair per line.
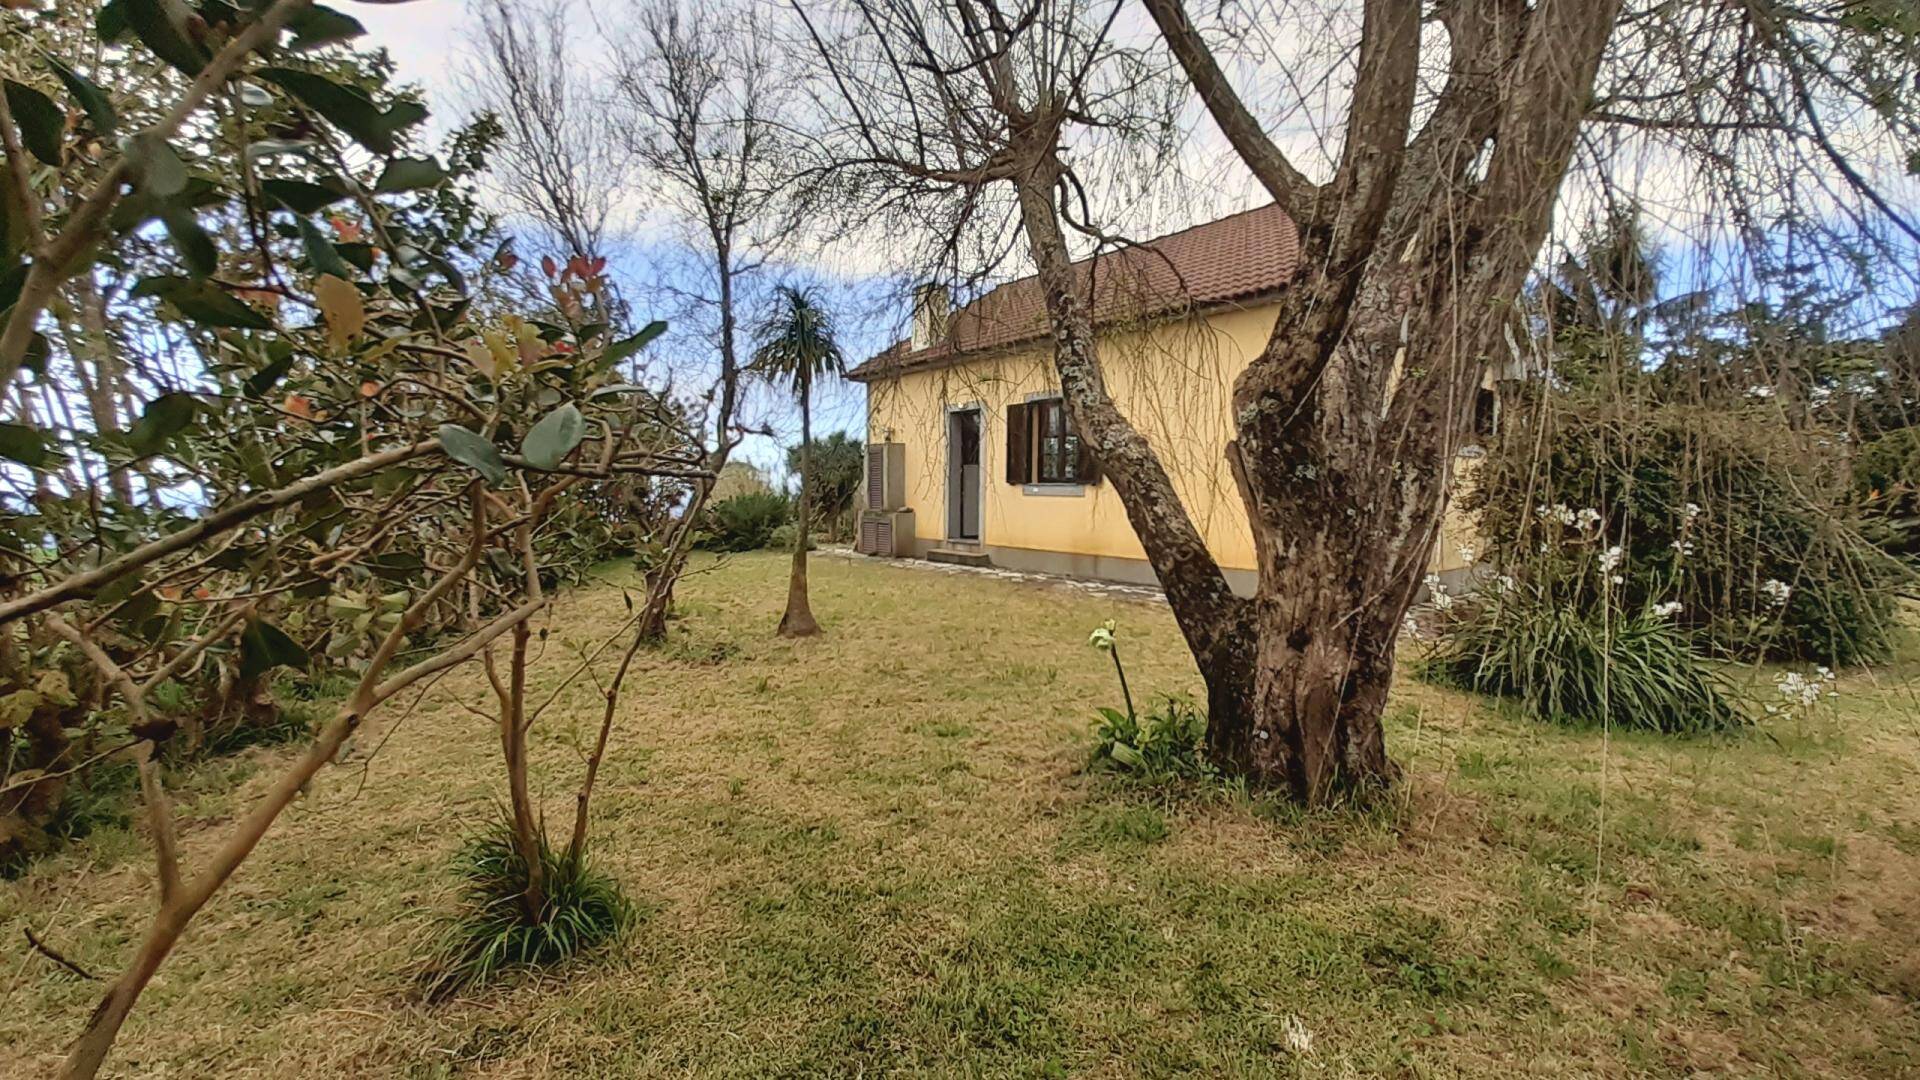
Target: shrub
1742,519
1569,662
493,935
1886,482
783,539
745,522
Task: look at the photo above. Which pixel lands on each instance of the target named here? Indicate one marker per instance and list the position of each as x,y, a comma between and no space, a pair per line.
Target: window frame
1053,444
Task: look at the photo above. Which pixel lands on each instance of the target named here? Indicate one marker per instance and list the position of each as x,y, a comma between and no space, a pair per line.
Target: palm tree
796,347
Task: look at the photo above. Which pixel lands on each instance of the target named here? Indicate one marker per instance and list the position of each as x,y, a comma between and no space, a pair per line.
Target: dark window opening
1057,444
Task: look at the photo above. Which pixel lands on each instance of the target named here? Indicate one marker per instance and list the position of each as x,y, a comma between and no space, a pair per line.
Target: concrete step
960,552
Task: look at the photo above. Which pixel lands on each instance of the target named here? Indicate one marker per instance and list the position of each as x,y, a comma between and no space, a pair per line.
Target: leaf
202,302
264,646
320,253
23,444
161,172
342,308
91,98
110,22
191,241
616,390
348,108
554,437
620,350
152,22
263,380
42,123
473,450
409,174
164,417
317,26
302,196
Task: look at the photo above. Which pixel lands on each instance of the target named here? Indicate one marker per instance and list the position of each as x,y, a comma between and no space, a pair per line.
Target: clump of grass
1568,664
492,934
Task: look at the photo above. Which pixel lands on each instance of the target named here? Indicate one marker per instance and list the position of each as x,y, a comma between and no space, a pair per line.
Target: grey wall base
1097,567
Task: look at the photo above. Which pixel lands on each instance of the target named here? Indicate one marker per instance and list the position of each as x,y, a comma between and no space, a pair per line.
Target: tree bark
798,621
1346,423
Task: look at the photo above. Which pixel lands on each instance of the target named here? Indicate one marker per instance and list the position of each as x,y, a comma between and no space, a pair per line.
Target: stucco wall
1172,381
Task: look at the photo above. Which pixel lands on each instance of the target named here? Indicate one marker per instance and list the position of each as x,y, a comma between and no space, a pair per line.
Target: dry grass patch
875,852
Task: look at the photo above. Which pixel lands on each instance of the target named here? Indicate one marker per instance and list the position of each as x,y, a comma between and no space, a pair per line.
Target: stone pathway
1146,594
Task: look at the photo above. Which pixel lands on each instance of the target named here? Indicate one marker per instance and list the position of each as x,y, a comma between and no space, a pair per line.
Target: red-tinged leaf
547,264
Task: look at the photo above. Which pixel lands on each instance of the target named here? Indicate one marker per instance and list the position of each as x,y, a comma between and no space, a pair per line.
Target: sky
426,39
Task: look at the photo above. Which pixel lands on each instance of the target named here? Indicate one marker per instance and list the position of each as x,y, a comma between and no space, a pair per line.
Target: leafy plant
746,522
493,934
1167,743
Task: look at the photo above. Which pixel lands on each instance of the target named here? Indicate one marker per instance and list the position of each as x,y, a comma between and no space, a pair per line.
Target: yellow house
972,458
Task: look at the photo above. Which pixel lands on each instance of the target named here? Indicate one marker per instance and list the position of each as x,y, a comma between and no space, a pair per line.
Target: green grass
878,852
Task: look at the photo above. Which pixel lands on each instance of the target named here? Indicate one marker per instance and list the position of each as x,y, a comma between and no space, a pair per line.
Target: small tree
797,346
832,467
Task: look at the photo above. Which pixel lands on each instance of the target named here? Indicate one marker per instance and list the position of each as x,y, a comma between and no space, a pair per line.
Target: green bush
1744,520
783,539
492,934
745,522
1886,483
1576,663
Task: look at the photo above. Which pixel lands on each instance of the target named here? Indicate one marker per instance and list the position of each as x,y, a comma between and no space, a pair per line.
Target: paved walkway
1147,594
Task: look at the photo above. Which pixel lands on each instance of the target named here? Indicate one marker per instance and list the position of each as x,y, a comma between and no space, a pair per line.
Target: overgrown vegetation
1743,521
745,522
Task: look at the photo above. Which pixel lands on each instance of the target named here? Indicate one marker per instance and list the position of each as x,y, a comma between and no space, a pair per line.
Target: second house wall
1173,382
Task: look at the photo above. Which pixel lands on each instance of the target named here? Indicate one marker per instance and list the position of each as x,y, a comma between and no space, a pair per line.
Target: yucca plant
492,934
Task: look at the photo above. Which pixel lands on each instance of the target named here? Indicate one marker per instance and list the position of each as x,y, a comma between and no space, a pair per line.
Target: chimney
930,302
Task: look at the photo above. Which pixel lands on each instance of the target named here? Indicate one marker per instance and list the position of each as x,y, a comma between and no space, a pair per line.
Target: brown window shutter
1086,470
1019,446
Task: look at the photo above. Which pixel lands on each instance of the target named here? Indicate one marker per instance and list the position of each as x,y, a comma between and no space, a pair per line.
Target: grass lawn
876,853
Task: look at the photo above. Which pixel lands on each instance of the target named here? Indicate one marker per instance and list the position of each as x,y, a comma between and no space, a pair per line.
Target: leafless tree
559,166
1448,129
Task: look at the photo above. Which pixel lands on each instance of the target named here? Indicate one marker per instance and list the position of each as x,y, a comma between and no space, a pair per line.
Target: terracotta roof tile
1243,255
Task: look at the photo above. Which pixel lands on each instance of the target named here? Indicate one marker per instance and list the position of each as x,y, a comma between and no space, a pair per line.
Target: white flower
1617,579
1759,393
1588,518
1467,553
1690,511
1776,591
1611,557
1684,547
1503,584
1667,610
1438,593
1102,636
1559,512
1410,626
1802,691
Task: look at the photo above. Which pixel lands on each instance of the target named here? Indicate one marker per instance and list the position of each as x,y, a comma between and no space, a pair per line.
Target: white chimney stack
930,303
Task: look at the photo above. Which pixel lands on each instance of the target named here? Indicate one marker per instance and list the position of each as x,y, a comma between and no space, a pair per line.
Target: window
1043,448
1057,449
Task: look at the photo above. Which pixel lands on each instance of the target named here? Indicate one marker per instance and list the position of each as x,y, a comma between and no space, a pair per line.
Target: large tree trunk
1346,423
798,621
